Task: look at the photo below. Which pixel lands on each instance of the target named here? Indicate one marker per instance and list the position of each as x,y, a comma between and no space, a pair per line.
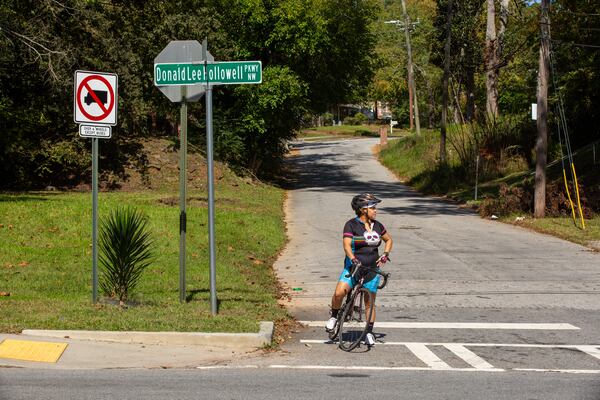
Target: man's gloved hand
383,259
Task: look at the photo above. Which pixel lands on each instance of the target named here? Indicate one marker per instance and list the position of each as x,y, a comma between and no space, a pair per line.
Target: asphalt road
476,309
276,384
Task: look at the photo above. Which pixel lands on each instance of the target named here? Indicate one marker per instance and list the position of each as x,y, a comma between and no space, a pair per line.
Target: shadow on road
319,172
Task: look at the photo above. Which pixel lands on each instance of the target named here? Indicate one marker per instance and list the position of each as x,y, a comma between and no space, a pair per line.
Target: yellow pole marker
577,189
26,350
569,195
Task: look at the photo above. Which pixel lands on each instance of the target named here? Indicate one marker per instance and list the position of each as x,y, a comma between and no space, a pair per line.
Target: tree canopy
315,53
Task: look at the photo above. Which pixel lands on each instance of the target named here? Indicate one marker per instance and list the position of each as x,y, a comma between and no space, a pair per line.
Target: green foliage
269,114
323,50
327,119
125,251
358,119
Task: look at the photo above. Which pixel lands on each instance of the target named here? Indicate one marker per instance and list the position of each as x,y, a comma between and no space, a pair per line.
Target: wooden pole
411,75
541,146
445,80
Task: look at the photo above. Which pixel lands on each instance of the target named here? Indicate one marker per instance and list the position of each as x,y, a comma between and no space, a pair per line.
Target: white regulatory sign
96,98
95,131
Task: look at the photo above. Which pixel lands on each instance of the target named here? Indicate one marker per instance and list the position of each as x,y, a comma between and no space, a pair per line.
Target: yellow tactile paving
32,351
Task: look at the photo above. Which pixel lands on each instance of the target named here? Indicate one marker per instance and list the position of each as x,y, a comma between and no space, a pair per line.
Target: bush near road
507,190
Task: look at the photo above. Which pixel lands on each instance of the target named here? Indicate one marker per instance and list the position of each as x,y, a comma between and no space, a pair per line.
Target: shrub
509,200
350,121
357,119
360,117
125,244
327,119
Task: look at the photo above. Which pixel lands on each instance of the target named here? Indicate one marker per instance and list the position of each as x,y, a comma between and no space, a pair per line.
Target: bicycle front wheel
355,318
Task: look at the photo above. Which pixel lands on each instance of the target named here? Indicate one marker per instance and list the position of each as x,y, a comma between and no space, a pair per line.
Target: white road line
468,356
427,356
564,371
591,350
343,368
372,368
462,325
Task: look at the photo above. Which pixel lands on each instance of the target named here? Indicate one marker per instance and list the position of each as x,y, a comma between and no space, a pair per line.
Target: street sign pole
94,220
211,190
184,71
95,106
182,193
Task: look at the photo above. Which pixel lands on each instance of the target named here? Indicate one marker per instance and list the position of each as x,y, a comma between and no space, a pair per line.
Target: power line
592,46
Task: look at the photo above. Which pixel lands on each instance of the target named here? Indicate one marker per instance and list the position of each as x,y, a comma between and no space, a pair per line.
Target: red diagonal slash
96,99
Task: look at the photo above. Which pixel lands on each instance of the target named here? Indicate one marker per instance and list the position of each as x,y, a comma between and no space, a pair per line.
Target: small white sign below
534,111
95,131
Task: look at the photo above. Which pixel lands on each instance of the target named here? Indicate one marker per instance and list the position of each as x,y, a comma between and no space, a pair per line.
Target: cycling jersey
365,248
364,243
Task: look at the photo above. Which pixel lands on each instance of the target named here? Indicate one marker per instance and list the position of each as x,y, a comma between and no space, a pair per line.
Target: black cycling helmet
363,200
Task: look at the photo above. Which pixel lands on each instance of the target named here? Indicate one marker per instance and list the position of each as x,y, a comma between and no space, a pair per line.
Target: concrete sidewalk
101,350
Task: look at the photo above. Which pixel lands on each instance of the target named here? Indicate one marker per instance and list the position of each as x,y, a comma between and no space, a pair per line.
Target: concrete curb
228,340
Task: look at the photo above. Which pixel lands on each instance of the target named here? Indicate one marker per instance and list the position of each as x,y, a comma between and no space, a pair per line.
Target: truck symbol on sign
100,94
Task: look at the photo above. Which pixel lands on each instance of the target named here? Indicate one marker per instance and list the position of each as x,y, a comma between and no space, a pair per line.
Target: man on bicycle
362,237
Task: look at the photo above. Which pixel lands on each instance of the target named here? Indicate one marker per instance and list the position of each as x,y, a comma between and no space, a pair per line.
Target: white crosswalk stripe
427,356
468,356
461,325
461,350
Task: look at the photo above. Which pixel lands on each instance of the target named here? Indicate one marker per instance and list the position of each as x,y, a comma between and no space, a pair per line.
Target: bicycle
352,320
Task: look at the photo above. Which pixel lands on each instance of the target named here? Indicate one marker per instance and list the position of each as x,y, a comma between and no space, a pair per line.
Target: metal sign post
94,220
182,192
95,109
211,190
184,71
184,51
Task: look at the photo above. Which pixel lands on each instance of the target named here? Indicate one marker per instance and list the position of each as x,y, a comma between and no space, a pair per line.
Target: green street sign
216,73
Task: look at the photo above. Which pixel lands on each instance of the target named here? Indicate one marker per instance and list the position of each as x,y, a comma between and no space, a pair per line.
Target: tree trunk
410,105
445,79
431,104
411,75
491,61
541,145
504,9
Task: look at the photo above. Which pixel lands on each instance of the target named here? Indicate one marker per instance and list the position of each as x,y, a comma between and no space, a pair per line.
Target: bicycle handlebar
377,270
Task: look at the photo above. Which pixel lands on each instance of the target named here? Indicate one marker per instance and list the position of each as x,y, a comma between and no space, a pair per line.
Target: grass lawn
345,131
414,160
45,261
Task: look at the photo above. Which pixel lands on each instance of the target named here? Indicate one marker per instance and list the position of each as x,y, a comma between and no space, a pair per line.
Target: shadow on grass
224,295
22,197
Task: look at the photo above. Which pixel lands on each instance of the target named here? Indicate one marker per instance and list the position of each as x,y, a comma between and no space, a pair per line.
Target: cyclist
362,237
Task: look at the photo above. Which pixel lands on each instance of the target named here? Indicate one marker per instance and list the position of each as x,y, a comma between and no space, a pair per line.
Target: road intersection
466,294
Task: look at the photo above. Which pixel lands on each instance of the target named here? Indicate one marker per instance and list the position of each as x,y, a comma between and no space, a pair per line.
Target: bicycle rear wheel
355,318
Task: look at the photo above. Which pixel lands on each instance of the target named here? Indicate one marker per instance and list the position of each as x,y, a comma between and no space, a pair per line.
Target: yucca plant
125,251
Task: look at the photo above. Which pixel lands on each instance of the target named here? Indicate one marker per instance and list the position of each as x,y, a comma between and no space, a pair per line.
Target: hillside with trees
314,53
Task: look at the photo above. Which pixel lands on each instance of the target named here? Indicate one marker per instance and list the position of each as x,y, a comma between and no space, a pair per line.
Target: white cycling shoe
369,339
330,324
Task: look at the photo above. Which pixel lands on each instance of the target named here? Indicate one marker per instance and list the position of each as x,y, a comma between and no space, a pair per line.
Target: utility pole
406,25
541,145
445,79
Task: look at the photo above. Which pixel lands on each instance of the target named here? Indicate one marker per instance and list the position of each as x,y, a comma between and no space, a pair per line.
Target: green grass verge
414,160
345,131
564,228
45,261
